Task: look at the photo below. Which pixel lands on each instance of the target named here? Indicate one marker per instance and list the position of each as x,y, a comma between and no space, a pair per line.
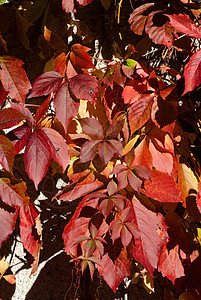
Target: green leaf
131,63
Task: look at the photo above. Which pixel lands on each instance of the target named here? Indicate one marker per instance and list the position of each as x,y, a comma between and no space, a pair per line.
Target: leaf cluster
117,131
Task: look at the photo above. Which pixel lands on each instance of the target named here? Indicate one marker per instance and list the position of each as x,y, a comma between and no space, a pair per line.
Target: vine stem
131,4
69,287
32,105
119,10
13,252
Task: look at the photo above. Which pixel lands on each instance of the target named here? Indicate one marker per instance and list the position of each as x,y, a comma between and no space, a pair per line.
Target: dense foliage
114,106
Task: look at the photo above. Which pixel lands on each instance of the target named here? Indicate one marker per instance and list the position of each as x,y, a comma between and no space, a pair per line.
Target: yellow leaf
135,278
187,181
199,235
148,283
130,145
4,265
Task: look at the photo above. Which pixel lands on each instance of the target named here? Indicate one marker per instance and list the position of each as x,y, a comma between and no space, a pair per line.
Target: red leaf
134,90
159,34
126,236
118,76
114,272
134,181
192,72
140,112
60,150
14,78
84,2
114,129
170,264
120,228
45,84
7,224
89,150
143,155
122,178
60,63
142,171
80,58
108,203
81,190
7,153
77,225
3,94
30,232
92,127
68,5
37,156
118,201
161,161
84,86
42,109
117,146
147,248
13,195
10,117
23,109
106,152
184,24
198,198
137,20
111,187
66,109
21,136
106,206
75,228
70,71
116,227
162,187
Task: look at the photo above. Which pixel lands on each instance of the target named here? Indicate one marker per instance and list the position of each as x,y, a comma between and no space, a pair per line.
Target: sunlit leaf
138,19
80,58
192,73
7,152
114,272
89,150
7,225
92,127
66,108
30,232
59,147
14,78
187,181
37,156
159,34
84,86
45,84
162,187
184,24
170,264
10,117
148,246
13,195
140,112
